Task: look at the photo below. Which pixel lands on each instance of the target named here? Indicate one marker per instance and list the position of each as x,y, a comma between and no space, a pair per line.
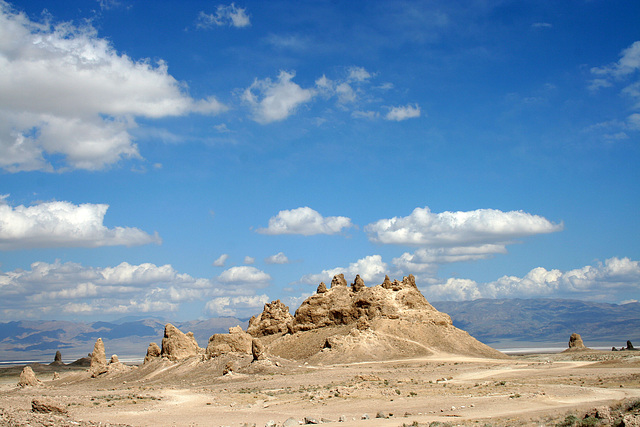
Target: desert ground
541,389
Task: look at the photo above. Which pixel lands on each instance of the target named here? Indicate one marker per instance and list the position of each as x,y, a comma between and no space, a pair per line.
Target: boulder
28,378
47,407
114,359
177,345
98,359
153,352
274,319
236,341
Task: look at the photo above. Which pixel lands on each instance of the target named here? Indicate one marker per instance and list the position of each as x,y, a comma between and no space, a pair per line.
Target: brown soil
454,389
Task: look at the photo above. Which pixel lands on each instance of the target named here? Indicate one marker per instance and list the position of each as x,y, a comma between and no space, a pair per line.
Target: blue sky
194,159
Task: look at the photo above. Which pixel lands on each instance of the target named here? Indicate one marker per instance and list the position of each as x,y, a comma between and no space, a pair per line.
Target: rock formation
153,352
236,341
258,350
57,360
352,323
114,359
47,407
28,378
83,361
98,359
575,343
630,346
177,345
274,319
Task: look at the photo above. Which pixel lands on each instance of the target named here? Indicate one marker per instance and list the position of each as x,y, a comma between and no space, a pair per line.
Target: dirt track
526,390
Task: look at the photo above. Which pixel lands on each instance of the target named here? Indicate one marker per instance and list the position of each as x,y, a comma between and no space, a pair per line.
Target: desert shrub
589,422
569,421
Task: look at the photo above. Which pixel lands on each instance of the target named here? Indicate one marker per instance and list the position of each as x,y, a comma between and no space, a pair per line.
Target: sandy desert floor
452,390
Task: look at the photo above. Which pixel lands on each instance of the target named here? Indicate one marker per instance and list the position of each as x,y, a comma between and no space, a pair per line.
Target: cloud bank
65,91
71,289
63,224
613,280
305,221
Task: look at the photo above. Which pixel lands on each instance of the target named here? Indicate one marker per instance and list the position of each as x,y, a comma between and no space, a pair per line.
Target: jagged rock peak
387,282
274,319
575,341
98,359
358,284
153,352
322,288
177,345
338,280
58,357
343,305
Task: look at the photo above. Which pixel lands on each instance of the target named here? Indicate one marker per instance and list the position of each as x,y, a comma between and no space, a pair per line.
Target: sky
193,159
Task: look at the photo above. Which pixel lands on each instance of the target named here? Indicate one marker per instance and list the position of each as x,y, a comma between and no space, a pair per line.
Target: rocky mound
236,341
177,345
274,319
353,323
576,343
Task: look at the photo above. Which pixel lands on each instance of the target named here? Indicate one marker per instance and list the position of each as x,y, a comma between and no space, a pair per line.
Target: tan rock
322,288
258,350
153,352
28,378
98,359
114,359
47,407
338,280
358,284
177,345
56,376
274,319
236,341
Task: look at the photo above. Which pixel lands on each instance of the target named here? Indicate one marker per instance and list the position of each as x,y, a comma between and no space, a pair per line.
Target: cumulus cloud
279,258
63,224
245,275
305,221
224,16
428,259
242,306
52,289
66,92
275,101
370,268
448,229
614,280
249,260
399,114
221,260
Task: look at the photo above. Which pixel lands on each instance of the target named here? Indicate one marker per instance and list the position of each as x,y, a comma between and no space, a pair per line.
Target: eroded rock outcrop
352,323
274,319
342,305
258,350
236,341
98,359
28,378
575,342
153,352
177,345
57,359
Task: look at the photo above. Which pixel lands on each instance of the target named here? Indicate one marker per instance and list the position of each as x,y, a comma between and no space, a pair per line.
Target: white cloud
370,268
628,64
279,258
225,15
249,260
50,289
541,25
448,229
244,275
63,224
65,91
403,113
358,74
614,280
428,259
219,262
243,306
275,101
305,221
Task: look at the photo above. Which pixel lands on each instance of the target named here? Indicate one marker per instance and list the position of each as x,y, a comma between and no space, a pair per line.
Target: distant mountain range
128,337
497,322
545,320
